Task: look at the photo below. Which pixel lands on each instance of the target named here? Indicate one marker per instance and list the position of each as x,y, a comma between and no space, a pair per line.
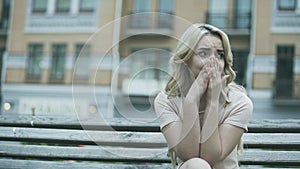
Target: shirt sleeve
240,112
164,109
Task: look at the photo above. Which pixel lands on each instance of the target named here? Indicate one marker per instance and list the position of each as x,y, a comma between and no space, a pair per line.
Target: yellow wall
266,41
15,75
263,80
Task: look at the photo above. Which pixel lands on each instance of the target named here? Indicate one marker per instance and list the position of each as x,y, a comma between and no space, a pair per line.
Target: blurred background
55,53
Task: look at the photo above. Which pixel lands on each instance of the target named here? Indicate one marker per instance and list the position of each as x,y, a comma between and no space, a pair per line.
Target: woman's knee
195,163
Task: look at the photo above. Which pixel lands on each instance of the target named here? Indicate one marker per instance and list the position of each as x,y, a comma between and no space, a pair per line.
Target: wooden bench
61,142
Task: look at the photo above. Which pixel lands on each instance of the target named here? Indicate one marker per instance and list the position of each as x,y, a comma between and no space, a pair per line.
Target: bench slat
25,164
65,136
133,139
96,153
266,125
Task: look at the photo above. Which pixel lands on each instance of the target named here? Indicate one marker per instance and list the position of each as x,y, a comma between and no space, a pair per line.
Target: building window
39,6
166,6
165,21
155,60
86,6
141,6
34,60
284,82
242,17
63,6
82,58
217,14
286,5
58,61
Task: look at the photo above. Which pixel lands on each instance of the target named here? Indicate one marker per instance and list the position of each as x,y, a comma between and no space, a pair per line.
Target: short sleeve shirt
236,113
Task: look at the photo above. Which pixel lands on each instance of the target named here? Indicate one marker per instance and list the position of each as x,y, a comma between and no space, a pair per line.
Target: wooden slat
266,157
272,140
134,139
95,153
65,136
29,164
289,125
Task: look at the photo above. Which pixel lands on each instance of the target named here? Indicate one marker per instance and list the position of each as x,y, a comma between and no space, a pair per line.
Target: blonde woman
203,113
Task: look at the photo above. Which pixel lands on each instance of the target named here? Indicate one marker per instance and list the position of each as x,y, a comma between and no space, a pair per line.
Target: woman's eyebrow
203,48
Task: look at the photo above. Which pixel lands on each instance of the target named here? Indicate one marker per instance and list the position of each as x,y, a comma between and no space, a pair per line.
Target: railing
229,21
287,20
61,23
150,21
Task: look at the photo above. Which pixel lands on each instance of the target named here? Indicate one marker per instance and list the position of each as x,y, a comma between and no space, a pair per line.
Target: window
141,20
141,6
82,58
166,6
284,82
286,5
242,17
58,61
63,6
153,60
218,13
39,6
86,6
165,21
35,54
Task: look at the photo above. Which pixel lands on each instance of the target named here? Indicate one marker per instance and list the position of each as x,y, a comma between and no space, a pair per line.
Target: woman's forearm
188,145
211,149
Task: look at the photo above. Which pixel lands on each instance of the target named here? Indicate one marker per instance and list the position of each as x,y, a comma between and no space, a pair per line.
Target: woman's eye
221,55
202,54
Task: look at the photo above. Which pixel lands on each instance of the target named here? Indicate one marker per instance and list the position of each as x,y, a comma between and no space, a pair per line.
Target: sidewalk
264,107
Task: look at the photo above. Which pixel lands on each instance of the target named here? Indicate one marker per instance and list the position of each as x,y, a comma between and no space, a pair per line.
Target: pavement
264,106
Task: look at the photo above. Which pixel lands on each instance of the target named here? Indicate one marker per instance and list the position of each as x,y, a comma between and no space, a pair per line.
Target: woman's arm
217,141
184,136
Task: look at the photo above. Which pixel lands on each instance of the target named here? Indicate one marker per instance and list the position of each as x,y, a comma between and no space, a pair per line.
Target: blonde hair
181,76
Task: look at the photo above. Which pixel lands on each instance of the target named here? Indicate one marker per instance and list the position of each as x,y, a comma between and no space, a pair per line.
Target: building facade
103,55
50,46
275,48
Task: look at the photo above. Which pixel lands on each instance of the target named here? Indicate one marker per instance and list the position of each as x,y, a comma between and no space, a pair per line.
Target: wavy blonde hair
181,76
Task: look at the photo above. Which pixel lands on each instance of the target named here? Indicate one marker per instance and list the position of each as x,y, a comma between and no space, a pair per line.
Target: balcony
149,23
61,24
233,24
286,22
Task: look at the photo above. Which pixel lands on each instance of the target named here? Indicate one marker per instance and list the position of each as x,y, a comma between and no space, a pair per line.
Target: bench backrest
268,142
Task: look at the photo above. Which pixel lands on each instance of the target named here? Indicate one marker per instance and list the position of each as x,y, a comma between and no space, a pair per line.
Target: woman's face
209,46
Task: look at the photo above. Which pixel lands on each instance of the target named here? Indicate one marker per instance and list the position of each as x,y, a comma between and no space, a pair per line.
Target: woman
203,113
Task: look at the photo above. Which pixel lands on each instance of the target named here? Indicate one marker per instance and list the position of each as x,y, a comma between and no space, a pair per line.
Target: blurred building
53,44
275,50
4,18
46,38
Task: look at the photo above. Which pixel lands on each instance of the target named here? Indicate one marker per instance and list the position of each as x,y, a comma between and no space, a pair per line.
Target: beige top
237,113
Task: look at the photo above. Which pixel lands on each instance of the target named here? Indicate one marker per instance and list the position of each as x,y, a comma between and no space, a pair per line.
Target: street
263,107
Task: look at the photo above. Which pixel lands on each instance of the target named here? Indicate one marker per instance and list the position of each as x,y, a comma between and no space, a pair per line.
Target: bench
63,142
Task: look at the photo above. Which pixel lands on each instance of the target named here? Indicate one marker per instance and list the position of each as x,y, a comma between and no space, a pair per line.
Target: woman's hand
202,79
216,82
